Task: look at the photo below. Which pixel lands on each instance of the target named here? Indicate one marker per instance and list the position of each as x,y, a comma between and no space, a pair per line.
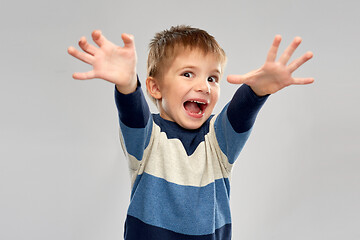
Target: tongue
192,107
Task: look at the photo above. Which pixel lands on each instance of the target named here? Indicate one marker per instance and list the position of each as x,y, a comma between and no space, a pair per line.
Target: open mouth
195,108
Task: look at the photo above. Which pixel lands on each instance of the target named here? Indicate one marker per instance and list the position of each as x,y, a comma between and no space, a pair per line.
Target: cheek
215,95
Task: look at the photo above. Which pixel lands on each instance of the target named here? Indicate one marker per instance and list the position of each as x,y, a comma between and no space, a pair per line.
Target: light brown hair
164,45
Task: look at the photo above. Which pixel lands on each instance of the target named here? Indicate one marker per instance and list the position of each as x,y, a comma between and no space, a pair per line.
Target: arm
135,123
117,65
110,62
234,123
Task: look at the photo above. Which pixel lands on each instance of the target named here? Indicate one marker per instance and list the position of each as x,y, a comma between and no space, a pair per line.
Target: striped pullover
180,177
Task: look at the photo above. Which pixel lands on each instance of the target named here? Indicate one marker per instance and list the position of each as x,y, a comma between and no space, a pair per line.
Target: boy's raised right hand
110,62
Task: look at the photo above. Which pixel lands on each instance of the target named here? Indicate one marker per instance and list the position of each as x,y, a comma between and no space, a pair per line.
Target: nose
203,86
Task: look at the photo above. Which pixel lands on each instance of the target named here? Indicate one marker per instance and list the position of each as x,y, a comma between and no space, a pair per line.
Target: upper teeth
197,102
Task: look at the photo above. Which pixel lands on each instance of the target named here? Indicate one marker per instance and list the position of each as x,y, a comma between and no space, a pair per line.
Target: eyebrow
194,67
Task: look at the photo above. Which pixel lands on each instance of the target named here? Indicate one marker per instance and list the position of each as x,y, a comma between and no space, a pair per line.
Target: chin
191,124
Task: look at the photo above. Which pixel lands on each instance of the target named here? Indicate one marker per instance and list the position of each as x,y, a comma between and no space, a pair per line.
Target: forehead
194,57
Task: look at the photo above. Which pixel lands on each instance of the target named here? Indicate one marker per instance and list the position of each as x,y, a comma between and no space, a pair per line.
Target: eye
212,79
188,74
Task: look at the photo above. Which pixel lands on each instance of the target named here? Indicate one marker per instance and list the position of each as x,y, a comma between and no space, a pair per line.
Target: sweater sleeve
132,108
243,108
135,121
234,124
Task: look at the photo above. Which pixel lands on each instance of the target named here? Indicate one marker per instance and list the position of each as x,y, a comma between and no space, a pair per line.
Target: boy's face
190,88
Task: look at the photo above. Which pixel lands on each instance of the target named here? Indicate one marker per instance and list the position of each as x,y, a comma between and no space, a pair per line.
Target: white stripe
166,158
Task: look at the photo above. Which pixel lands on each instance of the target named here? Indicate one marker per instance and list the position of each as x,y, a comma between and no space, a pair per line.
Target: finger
85,57
284,58
83,43
84,75
235,79
128,40
303,81
98,38
274,49
300,61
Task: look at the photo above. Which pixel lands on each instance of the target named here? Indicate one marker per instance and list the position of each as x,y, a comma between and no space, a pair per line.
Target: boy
180,159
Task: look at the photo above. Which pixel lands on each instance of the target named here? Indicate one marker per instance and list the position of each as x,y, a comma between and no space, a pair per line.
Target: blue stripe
231,143
136,229
132,137
182,209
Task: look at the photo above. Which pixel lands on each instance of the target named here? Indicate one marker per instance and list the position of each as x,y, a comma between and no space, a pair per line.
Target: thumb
235,79
128,40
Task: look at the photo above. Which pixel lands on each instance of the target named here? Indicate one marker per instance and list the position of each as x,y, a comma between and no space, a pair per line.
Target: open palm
110,62
275,75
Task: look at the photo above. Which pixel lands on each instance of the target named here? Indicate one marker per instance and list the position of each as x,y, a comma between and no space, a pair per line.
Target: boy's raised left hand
275,75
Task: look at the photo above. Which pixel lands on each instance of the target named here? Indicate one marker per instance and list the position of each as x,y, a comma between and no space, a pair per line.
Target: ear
152,86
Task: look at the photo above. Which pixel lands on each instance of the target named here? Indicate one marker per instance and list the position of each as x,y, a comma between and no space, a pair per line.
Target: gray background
62,171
